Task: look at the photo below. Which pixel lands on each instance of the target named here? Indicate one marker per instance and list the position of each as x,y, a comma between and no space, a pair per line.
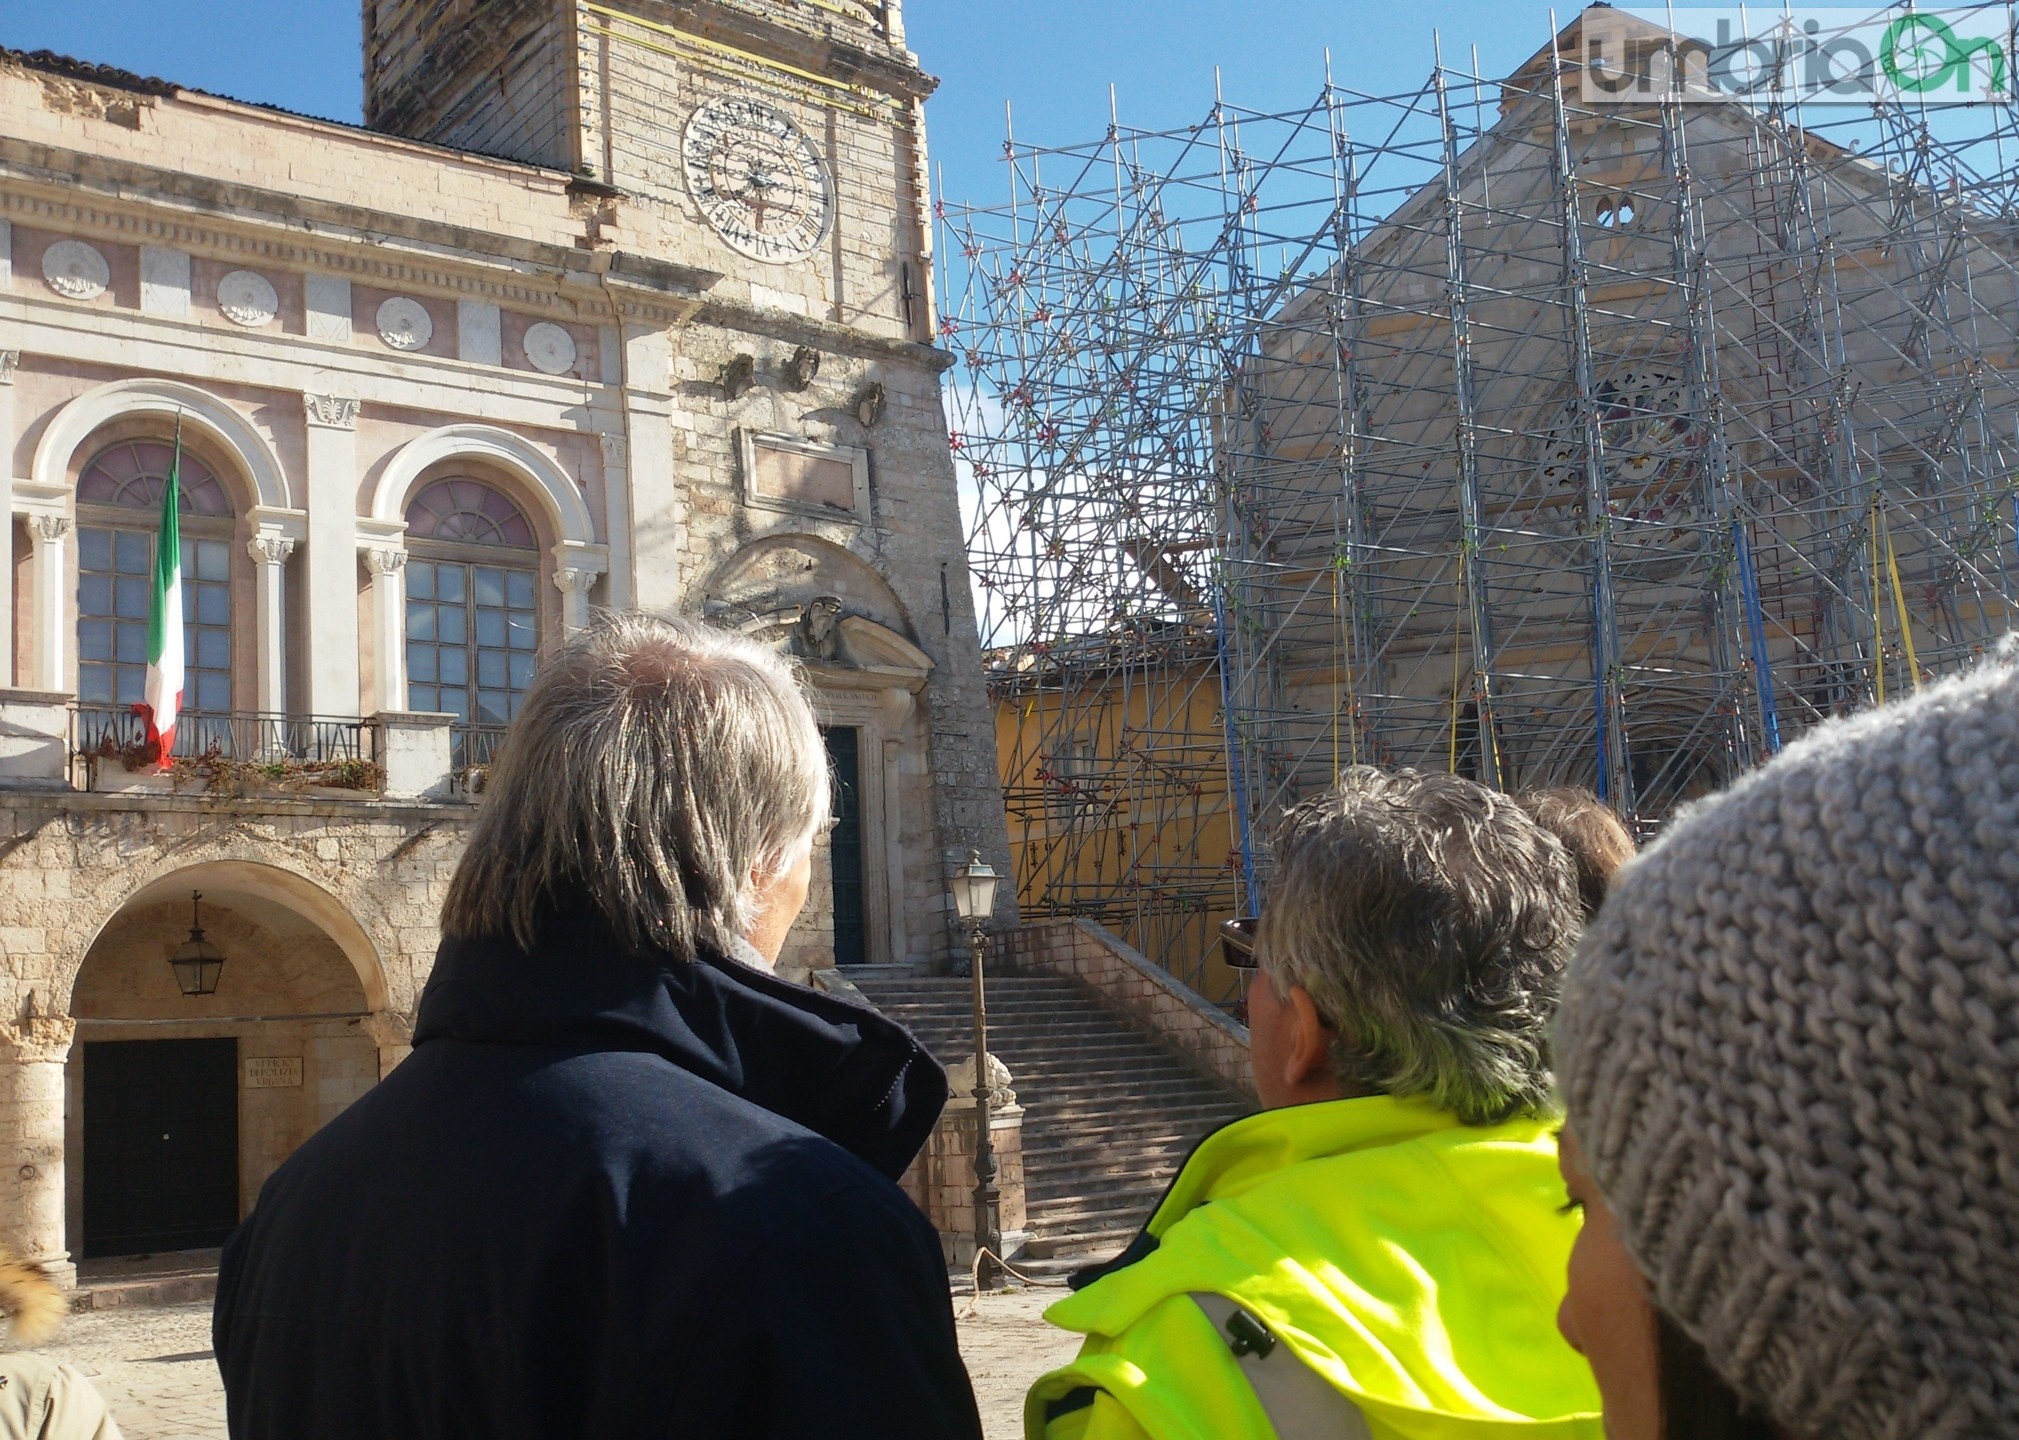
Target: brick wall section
1178,1015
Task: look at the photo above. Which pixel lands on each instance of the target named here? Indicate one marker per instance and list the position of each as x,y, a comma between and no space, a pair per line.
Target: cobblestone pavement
153,1366
156,1371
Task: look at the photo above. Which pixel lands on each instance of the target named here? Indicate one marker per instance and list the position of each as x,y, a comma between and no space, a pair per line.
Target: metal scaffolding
1480,427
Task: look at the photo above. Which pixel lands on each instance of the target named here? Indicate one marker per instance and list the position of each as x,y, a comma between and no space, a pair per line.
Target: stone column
330,594
269,560
49,535
32,1052
617,515
8,360
389,623
574,584
648,540
393,1032
896,708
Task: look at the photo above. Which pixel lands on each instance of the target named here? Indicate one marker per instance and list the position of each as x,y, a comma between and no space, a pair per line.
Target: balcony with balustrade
50,741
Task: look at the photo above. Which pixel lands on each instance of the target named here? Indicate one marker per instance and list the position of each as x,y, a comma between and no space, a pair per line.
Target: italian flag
163,690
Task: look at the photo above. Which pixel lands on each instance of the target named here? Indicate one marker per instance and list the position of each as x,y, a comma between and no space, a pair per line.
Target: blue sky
1052,60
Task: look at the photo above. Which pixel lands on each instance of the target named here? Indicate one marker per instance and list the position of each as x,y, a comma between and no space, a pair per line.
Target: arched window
472,621
118,514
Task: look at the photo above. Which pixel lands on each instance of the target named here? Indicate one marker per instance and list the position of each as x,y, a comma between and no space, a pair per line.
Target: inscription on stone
802,479
273,1072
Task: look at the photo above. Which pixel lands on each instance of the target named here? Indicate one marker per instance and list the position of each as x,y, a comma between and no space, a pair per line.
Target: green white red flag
163,690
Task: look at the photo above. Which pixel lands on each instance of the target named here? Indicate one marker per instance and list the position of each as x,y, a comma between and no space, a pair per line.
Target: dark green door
844,844
160,1145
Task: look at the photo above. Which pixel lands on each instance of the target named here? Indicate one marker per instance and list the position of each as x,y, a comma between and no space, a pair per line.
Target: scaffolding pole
1485,424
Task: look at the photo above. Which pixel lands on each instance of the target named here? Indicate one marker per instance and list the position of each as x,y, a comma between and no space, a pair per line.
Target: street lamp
973,889
196,962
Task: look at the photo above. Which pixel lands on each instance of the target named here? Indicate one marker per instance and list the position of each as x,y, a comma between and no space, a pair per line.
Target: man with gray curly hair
1377,1253
629,1183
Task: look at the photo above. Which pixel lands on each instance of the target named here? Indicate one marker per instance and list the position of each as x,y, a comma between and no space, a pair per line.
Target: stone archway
875,874
151,1117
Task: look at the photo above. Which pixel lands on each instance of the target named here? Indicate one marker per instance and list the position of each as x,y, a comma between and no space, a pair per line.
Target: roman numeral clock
758,179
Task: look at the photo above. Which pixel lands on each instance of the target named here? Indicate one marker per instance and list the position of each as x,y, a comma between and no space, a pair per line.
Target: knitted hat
1789,1049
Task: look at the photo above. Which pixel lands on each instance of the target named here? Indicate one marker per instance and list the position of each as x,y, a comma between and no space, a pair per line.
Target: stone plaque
273,1072
797,478
164,281
477,332
328,300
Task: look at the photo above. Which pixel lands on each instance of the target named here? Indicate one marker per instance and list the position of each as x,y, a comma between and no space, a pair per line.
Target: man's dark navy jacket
604,1198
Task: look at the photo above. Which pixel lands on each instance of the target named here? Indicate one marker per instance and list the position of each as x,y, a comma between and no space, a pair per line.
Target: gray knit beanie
1789,1050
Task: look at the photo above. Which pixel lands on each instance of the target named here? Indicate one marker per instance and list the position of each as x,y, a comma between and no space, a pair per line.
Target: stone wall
369,877
495,78
326,911
304,413
1182,1018
613,430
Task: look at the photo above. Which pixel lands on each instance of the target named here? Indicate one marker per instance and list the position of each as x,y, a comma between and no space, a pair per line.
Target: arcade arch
176,1108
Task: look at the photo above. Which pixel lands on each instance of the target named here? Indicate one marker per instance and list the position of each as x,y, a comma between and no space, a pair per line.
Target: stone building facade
605,307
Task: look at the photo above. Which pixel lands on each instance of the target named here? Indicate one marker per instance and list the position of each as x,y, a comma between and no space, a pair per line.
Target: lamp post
197,963
974,901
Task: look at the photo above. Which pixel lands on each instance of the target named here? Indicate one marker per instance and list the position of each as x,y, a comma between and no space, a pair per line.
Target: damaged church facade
624,308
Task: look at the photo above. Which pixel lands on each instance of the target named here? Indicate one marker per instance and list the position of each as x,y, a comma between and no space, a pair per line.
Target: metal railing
297,746
472,748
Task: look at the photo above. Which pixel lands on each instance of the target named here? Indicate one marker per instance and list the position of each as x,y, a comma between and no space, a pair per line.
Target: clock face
758,179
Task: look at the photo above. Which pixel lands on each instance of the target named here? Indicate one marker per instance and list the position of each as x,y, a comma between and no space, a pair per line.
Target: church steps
1109,1113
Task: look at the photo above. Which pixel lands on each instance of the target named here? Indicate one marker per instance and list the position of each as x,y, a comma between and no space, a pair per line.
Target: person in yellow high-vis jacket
1379,1254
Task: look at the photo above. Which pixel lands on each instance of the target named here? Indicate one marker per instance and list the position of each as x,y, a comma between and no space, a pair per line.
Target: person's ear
1307,1057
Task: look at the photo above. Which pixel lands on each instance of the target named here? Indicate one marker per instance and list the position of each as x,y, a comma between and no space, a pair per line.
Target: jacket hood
836,1067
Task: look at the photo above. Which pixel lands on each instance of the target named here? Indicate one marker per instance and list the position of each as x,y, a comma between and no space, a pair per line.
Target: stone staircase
1109,1114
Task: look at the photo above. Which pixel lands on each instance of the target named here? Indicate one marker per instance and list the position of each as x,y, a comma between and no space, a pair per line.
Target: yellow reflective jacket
1407,1263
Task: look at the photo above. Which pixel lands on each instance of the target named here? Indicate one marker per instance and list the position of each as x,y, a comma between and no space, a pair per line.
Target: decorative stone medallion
75,270
247,299
549,348
404,324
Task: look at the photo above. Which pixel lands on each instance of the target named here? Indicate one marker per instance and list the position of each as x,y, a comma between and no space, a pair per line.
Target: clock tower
785,466
778,142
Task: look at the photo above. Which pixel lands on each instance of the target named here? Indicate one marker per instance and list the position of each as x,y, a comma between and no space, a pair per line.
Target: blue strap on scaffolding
1756,631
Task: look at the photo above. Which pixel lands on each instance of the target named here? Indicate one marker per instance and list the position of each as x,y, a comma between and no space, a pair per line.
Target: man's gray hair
1430,919
655,764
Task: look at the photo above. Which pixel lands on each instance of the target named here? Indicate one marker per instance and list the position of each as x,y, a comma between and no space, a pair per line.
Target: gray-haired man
628,1183
1379,1253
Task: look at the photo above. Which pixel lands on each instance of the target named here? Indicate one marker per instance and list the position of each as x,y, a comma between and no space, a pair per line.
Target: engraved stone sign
272,1072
